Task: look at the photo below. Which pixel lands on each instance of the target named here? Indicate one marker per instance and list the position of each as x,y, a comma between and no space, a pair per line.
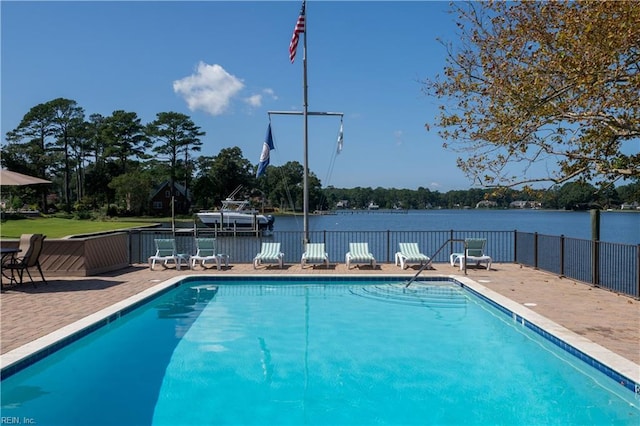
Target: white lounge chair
314,254
474,249
359,254
166,252
206,252
269,253
410,253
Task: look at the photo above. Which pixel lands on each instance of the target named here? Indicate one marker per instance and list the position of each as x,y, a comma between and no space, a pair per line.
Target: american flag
299,28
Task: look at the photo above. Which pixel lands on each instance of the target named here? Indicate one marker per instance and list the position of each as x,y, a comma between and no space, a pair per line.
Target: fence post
129,234
451,241
595,237
562,255
638,271
515,246
595,269
388,245
535,250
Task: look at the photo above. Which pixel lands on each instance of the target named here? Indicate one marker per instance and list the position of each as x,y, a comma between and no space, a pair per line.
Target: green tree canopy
69,132
221,175
125,138
132,191
283,186
576,195
176,136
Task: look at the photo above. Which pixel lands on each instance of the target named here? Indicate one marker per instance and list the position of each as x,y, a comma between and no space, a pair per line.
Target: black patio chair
30,259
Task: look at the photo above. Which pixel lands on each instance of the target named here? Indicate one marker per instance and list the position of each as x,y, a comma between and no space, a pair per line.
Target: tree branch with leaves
556,83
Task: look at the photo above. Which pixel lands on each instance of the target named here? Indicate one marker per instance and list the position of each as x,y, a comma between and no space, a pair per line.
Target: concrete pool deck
605,318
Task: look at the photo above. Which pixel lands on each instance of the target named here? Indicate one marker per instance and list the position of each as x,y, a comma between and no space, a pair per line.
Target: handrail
426,265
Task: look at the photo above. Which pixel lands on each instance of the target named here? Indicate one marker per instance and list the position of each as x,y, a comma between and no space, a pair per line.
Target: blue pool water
216,352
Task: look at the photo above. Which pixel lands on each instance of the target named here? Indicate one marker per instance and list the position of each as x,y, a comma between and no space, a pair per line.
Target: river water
615,226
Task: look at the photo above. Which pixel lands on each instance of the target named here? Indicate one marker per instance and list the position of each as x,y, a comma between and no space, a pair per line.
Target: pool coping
618,368
27,354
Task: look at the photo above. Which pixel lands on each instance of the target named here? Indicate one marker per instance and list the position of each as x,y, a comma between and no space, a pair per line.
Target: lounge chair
359,254
166,252
474,249
410,253
314,254
206,252
31,245
269,253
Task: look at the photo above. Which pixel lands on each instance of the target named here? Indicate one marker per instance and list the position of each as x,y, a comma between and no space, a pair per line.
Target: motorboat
236,215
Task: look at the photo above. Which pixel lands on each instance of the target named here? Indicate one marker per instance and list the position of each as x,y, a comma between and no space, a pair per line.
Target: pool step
445,296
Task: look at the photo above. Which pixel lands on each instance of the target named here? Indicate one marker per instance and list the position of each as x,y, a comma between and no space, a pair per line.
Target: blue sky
365,59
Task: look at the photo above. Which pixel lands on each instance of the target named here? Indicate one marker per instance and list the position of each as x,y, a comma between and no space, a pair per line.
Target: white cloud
211,89
256,100
270,93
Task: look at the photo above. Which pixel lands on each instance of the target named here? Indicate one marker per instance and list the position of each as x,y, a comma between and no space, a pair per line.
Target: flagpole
305,114
301,27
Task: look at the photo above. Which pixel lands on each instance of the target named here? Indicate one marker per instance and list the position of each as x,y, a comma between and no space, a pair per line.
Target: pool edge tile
31,352
598,356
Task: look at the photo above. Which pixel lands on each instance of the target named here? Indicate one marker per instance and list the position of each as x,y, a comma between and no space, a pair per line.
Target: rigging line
332,163
283,178
334,156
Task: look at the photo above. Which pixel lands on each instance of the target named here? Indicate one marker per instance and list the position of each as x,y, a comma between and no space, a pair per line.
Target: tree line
569,196
112,164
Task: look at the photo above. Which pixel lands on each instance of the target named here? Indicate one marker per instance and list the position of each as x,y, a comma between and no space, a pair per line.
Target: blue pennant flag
267,146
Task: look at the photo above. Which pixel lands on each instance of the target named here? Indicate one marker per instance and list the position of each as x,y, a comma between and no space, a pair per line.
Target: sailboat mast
305,113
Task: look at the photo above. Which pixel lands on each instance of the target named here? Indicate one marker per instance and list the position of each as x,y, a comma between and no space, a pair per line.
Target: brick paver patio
606,318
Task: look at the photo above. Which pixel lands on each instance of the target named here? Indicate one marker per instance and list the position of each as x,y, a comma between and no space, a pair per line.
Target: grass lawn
59,227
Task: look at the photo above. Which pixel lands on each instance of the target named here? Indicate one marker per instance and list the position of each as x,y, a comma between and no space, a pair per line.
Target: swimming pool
313,351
